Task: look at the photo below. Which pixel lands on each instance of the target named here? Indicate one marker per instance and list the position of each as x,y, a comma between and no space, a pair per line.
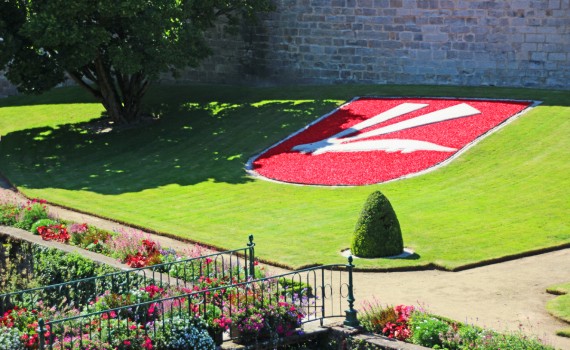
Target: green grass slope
184,174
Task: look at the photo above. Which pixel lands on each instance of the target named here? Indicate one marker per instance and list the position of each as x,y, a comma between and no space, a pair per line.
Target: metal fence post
251,246
351,320
41,333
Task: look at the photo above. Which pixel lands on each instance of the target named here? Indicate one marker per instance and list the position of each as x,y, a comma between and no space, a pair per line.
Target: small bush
89,237
40,223
374,317
377,231
33,211
10,339
491,340
9,213
427,330
135,248
184,333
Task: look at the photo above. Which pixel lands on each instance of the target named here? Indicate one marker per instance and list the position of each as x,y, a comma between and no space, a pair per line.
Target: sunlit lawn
184,175
560,306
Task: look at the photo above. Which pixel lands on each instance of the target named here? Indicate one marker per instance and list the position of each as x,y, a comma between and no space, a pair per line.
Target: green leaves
112,49
377,231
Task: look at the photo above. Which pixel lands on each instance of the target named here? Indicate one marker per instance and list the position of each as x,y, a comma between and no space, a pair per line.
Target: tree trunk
120,95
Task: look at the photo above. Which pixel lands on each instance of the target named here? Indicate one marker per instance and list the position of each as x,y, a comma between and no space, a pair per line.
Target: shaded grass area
560,306
183,174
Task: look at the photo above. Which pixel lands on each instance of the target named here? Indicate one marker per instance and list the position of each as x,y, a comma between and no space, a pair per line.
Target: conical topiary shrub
377,232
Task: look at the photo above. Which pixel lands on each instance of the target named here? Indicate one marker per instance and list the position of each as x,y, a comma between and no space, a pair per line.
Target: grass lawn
560,306
184,174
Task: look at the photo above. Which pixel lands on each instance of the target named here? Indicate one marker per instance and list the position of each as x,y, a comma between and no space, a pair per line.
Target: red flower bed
56,232
374,140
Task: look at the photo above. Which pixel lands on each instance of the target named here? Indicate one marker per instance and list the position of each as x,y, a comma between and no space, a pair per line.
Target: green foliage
427,330
54,266
40,223
90,237
292,286
183,333
112,49
492,341
16,270
9,213
374,317
440,333
31,213
10,339
377,232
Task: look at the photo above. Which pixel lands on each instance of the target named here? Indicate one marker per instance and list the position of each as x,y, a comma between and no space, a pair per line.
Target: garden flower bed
417,326
206,308
153,317
374,140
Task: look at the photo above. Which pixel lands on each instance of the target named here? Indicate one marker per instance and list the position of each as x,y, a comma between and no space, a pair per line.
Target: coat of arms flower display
375,140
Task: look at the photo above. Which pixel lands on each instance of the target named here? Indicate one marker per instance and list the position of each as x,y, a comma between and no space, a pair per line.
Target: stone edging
35,239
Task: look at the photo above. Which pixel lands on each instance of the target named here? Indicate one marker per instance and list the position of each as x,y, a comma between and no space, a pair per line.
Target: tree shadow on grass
203,134
193,142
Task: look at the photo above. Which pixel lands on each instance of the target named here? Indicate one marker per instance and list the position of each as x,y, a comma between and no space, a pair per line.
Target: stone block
535,38
558,56
435,37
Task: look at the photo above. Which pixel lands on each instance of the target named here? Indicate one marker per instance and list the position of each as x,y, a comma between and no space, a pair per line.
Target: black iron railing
278,304
230,266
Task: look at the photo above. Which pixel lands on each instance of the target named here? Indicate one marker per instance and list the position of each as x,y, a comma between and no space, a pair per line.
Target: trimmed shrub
377,231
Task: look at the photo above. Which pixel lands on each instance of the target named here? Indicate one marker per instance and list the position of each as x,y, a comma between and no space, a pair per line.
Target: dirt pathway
505,296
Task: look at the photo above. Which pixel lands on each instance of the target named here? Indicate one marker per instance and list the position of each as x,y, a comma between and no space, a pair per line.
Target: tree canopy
114,49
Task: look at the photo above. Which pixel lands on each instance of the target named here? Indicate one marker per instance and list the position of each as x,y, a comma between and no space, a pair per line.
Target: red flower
374,140
56,232
147,343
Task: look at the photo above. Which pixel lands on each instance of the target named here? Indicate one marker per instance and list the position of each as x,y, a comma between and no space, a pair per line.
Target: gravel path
506,296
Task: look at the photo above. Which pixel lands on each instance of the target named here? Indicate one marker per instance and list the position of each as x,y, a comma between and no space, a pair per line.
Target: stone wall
461,42
523,43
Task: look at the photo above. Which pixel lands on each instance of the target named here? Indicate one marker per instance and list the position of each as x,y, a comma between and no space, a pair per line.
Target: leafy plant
16,264
427,330
291,286
9,213
135,248
184,333
89,237
112,52
40,223
10,339
492,340
30,213
373,316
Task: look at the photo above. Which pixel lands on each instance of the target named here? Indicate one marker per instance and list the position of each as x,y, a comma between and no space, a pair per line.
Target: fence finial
351,320
251,246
